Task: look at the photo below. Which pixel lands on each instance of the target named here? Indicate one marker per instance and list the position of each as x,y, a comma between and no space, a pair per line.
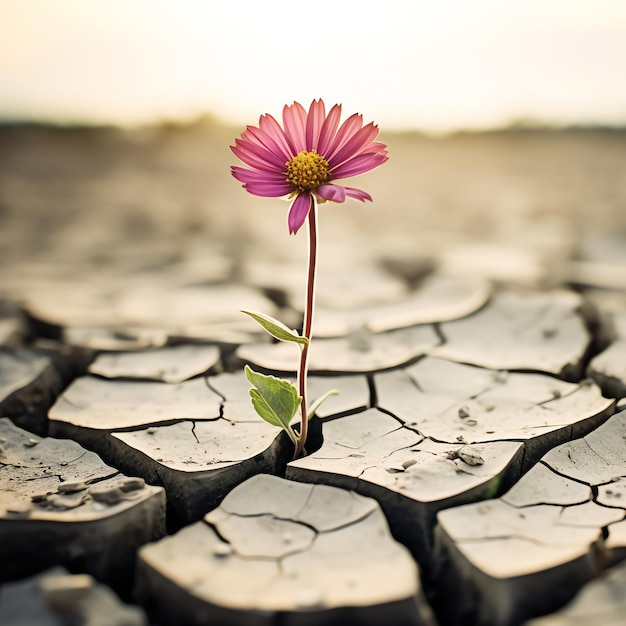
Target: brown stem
307,326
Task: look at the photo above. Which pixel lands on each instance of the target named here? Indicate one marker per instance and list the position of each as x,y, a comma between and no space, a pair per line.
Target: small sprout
274,399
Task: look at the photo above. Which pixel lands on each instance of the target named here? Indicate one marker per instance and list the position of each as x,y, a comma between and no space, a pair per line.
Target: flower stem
307,327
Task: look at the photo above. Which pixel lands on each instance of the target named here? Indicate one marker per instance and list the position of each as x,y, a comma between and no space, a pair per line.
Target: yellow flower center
307,171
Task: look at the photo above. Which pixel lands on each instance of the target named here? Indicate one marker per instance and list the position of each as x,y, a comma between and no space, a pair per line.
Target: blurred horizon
407,65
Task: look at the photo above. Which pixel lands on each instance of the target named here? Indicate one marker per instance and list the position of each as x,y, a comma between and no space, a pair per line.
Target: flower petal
358,143
269,125
359,165
329,128
294,121
298,212
245,175
314,121
268,190
333,193
346,131
265,140
358,194
251,155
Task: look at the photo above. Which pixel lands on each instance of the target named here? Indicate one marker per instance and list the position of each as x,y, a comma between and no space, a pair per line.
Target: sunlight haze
406,64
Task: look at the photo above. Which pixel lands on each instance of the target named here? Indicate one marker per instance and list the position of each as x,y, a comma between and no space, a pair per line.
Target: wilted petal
298,212
333,193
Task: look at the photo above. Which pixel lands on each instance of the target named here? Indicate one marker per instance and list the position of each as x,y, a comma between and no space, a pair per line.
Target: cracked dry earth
471,469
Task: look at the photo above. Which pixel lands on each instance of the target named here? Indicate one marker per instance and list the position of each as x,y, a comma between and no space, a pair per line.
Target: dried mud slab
607,275
410,476
29,384
445,434
608,369
527,553
13,327
205,313
360,352
57,597
136,314
353,394
183,436
359,284
169,365
451,402
602,602
543,332
199,462
115,338
279,548
94,403
62,301
60,503
438,299
504,262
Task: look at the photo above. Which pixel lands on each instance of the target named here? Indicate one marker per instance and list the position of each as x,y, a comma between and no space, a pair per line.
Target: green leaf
316,405
275,400
275,328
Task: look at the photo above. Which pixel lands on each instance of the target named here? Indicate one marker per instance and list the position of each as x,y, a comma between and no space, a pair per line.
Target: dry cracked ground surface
471,468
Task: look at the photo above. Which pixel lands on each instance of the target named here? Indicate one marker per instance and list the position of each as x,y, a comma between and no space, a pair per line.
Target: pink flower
301,160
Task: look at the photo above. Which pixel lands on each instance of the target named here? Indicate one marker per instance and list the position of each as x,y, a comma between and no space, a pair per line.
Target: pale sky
429,64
